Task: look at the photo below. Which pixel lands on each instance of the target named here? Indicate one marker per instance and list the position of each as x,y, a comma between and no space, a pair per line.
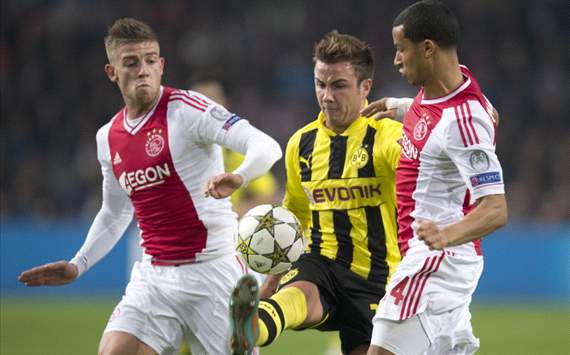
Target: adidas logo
117,159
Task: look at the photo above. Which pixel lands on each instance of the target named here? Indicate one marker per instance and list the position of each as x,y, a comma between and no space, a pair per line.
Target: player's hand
223,185
378,110
52,274
430,233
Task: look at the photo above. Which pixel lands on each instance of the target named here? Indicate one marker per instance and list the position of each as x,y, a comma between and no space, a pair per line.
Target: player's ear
162,61
428,47
365,87
110,71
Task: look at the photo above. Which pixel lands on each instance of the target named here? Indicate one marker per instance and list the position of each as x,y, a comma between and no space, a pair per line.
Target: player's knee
111,348
120,343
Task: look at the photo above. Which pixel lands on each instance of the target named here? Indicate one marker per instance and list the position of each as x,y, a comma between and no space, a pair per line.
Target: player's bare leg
122,343
243,316
315,310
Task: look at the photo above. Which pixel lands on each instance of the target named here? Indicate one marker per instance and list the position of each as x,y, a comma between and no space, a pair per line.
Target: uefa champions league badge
479,160
421,128
220,113
154,142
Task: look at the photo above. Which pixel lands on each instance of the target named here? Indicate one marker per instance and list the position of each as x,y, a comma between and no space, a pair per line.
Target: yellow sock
284,310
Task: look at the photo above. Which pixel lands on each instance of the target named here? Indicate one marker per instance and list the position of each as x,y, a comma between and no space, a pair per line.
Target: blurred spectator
53,100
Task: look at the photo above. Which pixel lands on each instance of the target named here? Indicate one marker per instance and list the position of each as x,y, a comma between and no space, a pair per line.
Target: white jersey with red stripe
447,161
158,167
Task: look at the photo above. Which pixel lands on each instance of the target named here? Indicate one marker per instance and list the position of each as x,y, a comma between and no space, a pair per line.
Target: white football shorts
165,305
437,287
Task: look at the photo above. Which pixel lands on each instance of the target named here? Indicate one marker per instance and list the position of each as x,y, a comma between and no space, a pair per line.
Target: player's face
409,58
340,96
137,69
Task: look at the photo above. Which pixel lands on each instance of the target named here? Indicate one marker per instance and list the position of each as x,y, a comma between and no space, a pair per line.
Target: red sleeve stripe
460,126
188,98
201,100
468,109
194,99
465,118
171,99
189,95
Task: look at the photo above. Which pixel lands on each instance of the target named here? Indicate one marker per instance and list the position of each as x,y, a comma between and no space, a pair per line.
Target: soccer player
157,154
340,184
450,192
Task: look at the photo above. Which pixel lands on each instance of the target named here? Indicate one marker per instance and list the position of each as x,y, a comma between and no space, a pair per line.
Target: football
270,239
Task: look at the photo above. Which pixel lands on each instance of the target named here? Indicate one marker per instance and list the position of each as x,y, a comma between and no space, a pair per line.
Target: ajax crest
154,142
421,128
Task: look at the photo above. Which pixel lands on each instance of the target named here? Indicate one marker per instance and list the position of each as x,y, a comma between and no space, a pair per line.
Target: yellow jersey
342,189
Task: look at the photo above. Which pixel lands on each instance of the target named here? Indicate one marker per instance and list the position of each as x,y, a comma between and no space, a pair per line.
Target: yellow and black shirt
342,189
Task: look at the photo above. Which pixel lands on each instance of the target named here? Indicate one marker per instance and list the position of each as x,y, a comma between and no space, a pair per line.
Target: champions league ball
270,239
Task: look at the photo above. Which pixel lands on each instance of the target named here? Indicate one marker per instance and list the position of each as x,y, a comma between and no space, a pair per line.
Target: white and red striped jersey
447,161
158,167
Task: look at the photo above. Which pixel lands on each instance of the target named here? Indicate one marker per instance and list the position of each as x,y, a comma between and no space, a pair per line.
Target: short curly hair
337,47
429,19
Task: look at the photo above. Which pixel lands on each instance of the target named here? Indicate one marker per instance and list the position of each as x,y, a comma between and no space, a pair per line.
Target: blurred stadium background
55,96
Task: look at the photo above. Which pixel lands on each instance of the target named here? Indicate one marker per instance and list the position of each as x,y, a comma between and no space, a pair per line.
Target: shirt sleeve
218,126
111,221
401,105
470,145
295,198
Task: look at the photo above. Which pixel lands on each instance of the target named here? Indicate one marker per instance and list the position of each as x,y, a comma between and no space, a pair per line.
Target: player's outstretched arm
53,274
223,185
387,107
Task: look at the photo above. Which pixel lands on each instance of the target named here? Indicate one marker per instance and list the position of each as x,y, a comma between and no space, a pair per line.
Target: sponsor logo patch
117,159
231,121
288,276
343,193
485,178
141,179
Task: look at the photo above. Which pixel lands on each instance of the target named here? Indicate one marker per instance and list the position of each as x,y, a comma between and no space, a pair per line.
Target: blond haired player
161,159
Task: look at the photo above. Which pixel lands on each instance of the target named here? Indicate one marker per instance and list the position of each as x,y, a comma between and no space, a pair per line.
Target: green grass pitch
62,327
